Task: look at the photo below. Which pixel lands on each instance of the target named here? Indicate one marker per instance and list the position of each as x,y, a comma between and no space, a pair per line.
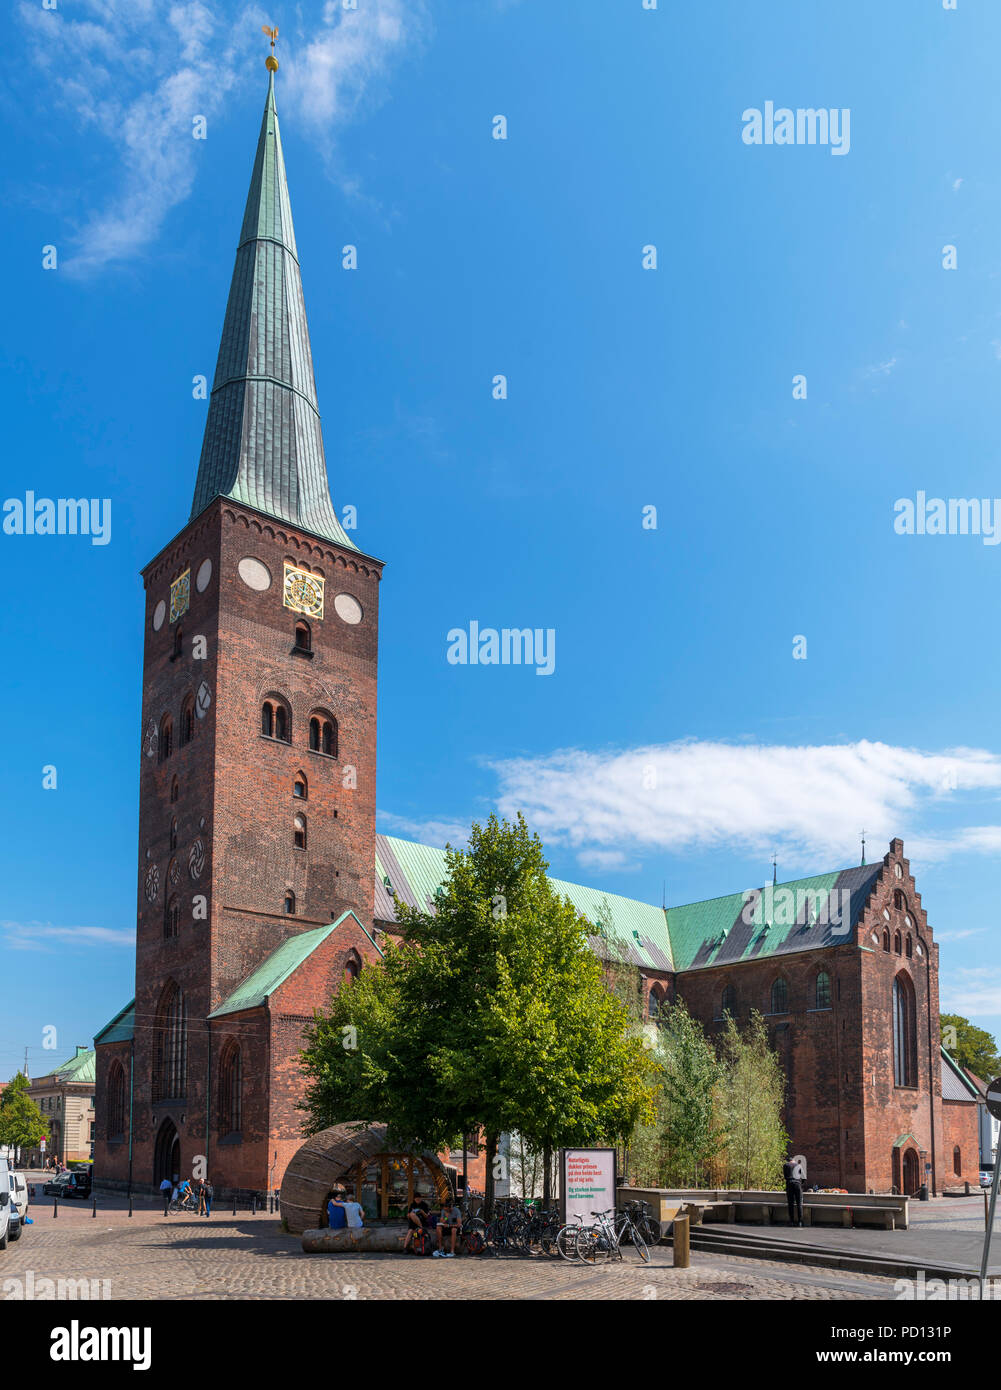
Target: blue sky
628,388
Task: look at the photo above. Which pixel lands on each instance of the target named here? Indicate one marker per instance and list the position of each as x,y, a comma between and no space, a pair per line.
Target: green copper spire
263,446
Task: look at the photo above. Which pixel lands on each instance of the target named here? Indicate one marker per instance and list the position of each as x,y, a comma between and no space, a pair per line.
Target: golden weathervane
271,62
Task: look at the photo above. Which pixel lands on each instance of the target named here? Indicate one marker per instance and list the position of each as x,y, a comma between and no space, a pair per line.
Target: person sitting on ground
416,1221
336,1215
449,1219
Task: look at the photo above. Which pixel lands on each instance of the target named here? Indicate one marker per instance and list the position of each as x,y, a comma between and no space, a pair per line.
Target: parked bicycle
601,1242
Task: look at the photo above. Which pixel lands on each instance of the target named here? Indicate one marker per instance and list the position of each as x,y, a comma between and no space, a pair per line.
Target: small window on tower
282,725
268,720
290,902
330,738
172,918
173,834
299,831
175,790
300,788
314,735
303,638
178,644
187,720
166,737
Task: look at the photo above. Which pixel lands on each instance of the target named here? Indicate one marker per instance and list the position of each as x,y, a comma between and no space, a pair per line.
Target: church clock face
303,592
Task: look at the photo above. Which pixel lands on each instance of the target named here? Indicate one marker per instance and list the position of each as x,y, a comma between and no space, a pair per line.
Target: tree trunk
547,1177
488,1183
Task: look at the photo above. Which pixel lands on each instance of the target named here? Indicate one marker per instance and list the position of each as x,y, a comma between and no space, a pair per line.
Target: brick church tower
256,857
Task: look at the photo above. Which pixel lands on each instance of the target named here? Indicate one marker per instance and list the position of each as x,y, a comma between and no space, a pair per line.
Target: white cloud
136,74
427,832
808,803
42,936
880,368
971,993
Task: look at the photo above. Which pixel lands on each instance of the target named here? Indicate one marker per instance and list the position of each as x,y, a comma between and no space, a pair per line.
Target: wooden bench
845,1214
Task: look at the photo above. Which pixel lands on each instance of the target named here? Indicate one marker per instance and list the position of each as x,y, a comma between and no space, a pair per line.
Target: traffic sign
994,1098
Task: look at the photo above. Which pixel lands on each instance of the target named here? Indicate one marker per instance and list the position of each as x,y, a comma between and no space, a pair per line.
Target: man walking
166,1192
793,1175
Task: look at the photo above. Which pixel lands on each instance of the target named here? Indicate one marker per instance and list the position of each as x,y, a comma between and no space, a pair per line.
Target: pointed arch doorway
166,1153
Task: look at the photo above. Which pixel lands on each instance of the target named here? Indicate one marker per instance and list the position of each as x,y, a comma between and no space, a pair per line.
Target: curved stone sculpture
324,1159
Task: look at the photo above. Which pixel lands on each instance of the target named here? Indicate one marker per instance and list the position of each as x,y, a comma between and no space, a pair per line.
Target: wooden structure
359,1158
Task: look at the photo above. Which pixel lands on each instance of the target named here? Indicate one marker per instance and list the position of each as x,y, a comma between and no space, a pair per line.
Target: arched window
780,997
886,940
187,721
823,990
116,1101
283,725
178,643
166,744
230,1090
299,831
909,948
323,733
171,916
173,834
268,719
653,1003
352,968
175,790
896,942
957,1161
728,1002
303,637
905,1050
170,1045
300,787
289,902
898,900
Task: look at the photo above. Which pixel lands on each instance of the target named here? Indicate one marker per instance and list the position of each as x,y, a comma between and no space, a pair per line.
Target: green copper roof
263,445
82,1067
802,915
276,968
416,871
122,1027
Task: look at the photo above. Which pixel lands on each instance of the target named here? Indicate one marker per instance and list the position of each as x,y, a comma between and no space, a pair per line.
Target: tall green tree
971,1046
492,1015
751,1098
692,1075
22,1124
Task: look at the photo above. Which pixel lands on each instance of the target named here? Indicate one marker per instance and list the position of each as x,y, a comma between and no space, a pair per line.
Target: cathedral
262,885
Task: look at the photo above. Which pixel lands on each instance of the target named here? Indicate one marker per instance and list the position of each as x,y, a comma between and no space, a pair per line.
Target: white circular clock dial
203,576
159,613
254,573
347,608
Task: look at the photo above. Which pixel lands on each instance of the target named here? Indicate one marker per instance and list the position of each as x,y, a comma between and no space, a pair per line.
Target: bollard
94,1212
130,1204
234,1204
55,1207
271,1204
681,1242
253,1205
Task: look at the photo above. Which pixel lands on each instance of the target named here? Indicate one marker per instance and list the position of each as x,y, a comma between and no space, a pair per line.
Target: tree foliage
22,1124
492,1014
972,1047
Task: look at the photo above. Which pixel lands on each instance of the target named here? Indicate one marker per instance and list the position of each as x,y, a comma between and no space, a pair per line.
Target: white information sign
588,1182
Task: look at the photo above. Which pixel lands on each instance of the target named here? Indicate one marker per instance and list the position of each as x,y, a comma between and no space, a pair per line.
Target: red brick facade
217,851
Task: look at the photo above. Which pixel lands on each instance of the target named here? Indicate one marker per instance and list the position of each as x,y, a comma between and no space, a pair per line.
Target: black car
68,1185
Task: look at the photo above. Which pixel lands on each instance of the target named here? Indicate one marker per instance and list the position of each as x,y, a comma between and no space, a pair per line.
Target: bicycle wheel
640,1245
593,1247
650,1230
566,1241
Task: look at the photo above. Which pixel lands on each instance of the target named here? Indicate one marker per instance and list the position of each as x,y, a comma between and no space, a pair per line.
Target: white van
19,1193
6,1206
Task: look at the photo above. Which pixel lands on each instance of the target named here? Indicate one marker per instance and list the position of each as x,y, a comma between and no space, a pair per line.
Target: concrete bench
845,1214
